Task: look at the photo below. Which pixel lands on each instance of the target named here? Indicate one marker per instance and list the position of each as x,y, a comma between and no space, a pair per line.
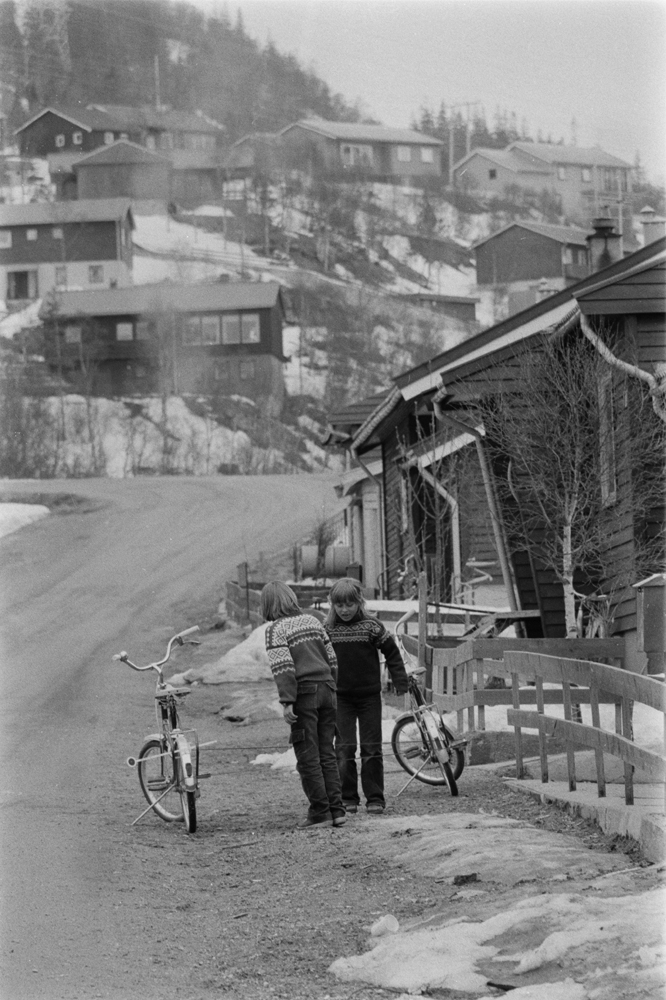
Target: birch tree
554,442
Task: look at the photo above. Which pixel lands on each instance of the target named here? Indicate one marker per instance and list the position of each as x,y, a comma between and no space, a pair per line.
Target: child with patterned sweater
357,639
304,667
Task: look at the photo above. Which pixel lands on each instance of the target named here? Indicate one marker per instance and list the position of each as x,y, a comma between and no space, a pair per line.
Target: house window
108,138
21,285
5,239
567,255
150,142
561,173
492,174
124,135
354,156
192,330
608,469
231,330
586,175
56,233
61,276
210,329
72,334
427,154
31,235
247,369
144,329
140,371
77,138
60,141
95,274
250,333
124,331
404,154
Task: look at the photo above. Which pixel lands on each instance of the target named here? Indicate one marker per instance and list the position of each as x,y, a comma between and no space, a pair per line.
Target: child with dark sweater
357,639
304,667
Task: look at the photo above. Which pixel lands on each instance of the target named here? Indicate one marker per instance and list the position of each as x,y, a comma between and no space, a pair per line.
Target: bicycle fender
186,760
405,715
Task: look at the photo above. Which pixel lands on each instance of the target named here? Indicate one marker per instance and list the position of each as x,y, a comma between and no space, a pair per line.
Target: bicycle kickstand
415,775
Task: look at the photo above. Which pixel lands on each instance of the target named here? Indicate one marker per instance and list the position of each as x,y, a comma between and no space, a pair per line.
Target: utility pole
157,82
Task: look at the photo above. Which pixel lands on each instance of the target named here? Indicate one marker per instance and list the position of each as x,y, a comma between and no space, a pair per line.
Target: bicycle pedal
157,784
209,775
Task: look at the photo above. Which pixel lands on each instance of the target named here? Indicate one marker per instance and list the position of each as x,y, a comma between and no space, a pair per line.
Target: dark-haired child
357,640
304,667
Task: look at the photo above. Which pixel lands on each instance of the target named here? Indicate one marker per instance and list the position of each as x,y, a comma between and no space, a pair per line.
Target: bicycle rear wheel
187,778
158,781
414,755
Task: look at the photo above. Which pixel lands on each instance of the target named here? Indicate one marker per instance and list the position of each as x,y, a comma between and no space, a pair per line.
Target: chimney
604,244
654,226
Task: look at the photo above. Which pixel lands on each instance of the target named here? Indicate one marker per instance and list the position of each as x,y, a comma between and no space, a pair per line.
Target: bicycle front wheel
189,808
415,756
158,781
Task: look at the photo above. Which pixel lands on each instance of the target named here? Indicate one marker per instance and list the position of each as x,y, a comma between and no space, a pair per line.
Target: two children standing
309,660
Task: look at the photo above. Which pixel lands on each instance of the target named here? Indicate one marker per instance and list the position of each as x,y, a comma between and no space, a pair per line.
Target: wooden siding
644,292
392,499
131,180
651,340
518,255
38,139
81,241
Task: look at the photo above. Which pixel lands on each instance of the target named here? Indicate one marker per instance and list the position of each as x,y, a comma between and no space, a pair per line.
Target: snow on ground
163,235
606,945
27,318
15,515
105,437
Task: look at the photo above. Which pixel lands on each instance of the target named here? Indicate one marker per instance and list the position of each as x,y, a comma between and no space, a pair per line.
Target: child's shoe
339,819
350,807
314,821
376,808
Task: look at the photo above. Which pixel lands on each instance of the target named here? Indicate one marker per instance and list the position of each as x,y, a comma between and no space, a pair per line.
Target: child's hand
289,714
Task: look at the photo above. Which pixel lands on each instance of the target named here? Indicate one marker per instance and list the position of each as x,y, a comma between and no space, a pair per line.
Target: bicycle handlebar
123,657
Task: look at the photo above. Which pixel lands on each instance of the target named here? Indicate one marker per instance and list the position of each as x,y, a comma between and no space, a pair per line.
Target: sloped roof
549,152
357,132
121,151
551,313
504,158
144,299
51,212
119,118
567,235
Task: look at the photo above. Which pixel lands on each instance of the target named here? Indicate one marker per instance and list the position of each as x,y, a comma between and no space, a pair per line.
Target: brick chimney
604,244
654,226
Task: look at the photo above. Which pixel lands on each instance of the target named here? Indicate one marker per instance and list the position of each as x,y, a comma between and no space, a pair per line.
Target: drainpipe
380,512
498,530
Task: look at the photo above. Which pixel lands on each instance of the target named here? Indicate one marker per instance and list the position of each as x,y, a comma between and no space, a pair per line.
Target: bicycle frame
180,747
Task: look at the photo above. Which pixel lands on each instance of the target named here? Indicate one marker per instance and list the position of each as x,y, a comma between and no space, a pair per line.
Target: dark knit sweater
299,650
357,644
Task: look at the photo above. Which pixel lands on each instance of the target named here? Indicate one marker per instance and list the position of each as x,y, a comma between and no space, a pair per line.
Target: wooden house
430,415
47,245
123,169
390,154
582,179
192,142
220,339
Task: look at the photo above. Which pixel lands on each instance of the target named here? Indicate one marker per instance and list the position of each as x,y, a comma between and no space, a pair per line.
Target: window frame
57,233
31,235
31,276
73,334
5,239
108,138
91,269
60,275
77,138
123,328
427,154
404,154
561,172
60,140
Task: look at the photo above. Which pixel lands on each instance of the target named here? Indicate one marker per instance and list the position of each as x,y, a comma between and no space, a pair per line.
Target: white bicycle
168,761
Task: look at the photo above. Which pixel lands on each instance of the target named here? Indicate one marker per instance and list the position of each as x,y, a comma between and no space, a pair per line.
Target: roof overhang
53,111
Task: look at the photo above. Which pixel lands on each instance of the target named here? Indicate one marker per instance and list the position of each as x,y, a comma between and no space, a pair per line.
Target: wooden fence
583,681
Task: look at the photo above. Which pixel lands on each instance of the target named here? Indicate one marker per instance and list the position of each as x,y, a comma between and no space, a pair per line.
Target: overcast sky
602,62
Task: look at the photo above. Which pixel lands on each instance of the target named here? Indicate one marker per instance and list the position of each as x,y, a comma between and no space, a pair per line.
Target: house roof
357,132
549,152
121,151
118,117
568,235
49,212
146,299
503,158
551,313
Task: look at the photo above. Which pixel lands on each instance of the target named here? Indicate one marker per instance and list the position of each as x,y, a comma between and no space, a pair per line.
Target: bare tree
568,480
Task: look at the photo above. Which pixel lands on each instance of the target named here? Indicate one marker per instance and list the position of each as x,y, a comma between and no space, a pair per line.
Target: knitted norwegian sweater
356,644
299,650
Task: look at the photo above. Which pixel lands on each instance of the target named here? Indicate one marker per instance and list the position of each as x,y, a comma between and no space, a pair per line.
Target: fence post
244,584
515,699
423,626
596,722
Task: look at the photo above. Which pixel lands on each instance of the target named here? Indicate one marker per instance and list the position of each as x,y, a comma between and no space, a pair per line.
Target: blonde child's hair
278,601
345,591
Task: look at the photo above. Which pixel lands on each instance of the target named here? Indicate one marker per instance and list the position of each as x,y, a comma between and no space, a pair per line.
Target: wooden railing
583,681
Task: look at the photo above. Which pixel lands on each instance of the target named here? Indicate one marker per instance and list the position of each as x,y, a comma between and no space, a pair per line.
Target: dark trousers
312,737
368,713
